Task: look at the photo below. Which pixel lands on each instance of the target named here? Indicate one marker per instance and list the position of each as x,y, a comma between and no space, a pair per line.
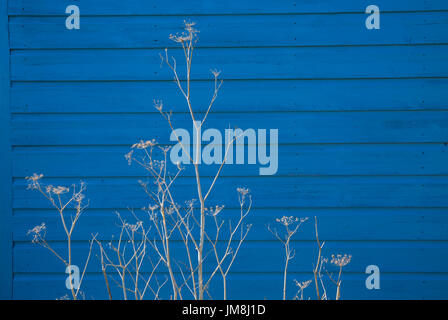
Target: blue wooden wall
362,118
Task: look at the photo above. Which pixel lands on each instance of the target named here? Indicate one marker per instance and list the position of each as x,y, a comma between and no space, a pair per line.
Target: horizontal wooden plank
376,179
265,256
338,159
251,96
334,223
303,127
230,31
251,286
268,192
160,7
236,63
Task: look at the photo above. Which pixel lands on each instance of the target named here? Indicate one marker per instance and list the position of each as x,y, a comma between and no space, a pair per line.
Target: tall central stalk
188,50
202,234
196,161
187,40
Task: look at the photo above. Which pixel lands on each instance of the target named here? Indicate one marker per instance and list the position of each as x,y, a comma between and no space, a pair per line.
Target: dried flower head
33,181
48,189
38,232
243,191
79,197
133,227
189,34
190,203
58,190
152,211
287,221
170,210
144,144
341,260
303,284
214,211
128,156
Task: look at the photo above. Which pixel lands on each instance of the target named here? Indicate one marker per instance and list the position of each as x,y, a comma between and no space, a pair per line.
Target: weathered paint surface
362,118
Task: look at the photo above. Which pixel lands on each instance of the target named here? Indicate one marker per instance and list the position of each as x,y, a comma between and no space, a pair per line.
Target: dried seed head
37,232
287,221
303,284
243,191
341,260
214,211
58,190
144,144
190,203
189,34
128,156
33,181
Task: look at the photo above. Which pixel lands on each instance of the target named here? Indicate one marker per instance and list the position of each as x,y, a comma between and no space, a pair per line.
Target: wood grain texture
231,31
362,118
270,192
247,63
353,224
235,96
296,160
258,285
308,127
161,7
392,256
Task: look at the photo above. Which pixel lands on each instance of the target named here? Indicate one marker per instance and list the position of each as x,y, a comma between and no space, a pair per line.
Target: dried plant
168,219
317,271
291,226
340,261
302,286
199,285
243,195
61,198
149,246
127,256
149,240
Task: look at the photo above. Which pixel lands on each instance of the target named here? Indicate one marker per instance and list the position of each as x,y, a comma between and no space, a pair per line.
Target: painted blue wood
373,224
393,256
252,63
298,160
306,127
269,95
5,162
161,7
231,31
271,192
362,117
261,286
